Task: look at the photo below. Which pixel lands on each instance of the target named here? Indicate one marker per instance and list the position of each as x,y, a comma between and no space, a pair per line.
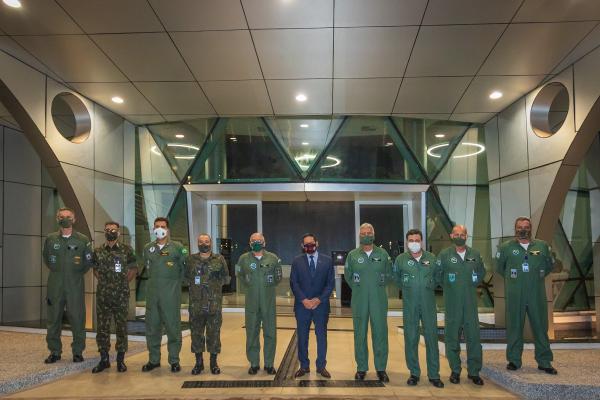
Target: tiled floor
161,383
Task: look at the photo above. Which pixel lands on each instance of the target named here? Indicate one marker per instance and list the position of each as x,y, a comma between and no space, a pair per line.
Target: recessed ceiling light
233,138
118,100
305,143
303,125
13,3
301,97
440,135
179,136
495,95
388,144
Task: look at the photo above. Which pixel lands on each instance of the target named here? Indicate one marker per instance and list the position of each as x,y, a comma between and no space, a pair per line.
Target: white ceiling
181,59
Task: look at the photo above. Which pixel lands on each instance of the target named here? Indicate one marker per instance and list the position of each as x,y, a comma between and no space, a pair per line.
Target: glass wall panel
151,165
468,163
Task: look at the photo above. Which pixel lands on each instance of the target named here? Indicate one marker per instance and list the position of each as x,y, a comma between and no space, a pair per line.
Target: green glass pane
304,138
180,142
242,150
469,206
178,219
158,200
431,141
151,165
439,224
467,165
367,149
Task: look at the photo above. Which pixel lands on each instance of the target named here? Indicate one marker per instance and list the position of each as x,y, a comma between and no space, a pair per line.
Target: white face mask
414,247
160,233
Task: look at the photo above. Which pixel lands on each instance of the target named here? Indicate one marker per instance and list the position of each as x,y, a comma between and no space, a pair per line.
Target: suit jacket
305,286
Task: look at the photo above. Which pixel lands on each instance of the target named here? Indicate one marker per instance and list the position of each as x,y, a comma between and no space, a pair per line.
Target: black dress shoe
77,358
271,370
476,380
412,381
548,370
360,375
150,366
437,383
382,376
511,366
301,372
175,367
253,370
198,368
455,378
324,373
52,358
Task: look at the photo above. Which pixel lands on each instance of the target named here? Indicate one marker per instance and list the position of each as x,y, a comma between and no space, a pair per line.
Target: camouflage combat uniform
112,265
206,277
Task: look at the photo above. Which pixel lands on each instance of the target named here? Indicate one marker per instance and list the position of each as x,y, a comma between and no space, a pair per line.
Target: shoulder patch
184,251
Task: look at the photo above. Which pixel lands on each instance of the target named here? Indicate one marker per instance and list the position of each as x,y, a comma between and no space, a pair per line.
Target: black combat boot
103,363
199,367
214,367
121,367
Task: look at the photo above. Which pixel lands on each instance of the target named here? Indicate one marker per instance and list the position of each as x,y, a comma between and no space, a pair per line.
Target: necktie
312,266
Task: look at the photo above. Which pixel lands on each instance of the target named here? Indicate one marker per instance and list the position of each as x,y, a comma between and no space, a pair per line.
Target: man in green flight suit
165,261
524,263
462,271
417,273
259,272
114,267
206,274
68,255
368,271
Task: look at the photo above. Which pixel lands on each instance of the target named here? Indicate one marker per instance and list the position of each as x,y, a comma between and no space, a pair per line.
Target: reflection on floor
163,383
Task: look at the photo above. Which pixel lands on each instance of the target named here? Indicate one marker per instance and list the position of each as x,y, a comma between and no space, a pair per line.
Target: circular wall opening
549,109
71,117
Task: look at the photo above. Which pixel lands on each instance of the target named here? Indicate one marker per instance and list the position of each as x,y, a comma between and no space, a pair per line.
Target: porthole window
71,117
549,109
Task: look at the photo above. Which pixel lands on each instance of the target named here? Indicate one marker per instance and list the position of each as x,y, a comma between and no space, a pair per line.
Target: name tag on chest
118,267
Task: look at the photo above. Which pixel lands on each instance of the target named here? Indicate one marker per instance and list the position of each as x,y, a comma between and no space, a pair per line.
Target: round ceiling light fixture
477,149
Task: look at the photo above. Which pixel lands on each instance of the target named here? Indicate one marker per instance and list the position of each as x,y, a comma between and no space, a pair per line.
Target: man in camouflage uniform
114,268
206,273
68,255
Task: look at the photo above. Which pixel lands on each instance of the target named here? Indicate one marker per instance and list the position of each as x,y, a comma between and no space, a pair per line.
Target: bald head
459,229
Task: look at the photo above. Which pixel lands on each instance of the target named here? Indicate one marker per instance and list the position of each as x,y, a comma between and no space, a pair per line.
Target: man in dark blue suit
312,280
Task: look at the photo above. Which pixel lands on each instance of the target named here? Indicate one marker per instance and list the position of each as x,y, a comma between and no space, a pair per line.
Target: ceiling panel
364,96
9,45
591,41
452,50
195,15
430,95
145,119
36,17
283,95
379,12
476,98
295,53
75,58
141,56
176,97
102,93
238,97
372,52
112,16
480,118
442,12
266,14
558,10
219,55
534,49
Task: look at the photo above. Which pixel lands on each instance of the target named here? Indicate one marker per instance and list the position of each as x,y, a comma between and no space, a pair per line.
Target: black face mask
111,235
204,248
523,233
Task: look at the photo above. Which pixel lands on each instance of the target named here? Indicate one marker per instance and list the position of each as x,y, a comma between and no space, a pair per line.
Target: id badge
474,277
118,267
196,280
525,267
513,273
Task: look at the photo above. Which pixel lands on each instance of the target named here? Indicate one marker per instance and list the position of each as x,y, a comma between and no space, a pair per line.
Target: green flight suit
460,279
258,279
524,273
418,280
367,276
112,265
68,259
166,269
206,277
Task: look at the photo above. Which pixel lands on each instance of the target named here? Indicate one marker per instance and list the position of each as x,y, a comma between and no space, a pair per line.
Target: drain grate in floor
287,383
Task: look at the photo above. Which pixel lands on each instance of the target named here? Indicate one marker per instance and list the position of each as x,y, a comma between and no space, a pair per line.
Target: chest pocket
407,279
